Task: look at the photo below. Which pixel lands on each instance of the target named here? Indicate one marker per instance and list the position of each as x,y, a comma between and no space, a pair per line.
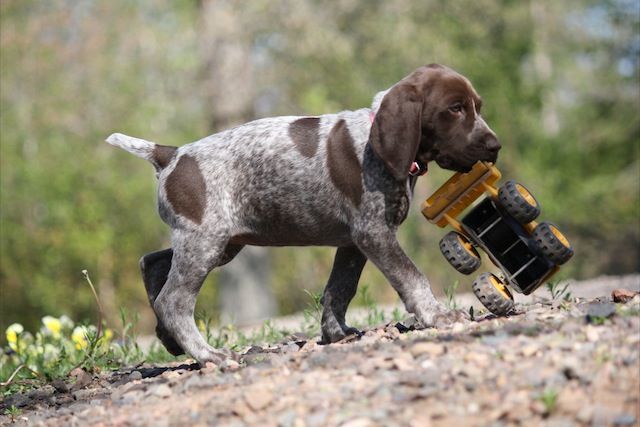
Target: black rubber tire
491,297
524,208
464,260
551,243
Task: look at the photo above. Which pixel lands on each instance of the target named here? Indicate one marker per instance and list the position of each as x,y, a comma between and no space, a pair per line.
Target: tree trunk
229,88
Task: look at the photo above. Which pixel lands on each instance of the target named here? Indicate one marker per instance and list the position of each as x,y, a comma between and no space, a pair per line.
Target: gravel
551,364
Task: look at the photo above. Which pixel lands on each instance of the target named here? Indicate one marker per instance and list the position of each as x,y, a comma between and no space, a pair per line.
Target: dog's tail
159,155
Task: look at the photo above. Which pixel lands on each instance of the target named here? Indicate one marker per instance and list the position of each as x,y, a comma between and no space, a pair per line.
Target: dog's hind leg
194,256
340,290
155,269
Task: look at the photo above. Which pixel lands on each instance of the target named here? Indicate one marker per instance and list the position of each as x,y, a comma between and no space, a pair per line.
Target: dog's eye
456,108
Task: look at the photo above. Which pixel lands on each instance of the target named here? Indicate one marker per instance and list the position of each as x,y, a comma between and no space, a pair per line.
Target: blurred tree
226,49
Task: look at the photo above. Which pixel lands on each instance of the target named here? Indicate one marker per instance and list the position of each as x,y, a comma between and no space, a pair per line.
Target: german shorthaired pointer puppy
343,180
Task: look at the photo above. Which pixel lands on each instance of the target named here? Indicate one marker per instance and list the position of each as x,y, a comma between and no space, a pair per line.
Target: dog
343,180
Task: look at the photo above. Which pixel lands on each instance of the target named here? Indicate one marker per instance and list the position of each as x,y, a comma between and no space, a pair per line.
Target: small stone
622,295
429,348
359,422
592,333
230,365
392,332
258,399
458,327
60,386
290,348
420,421
529,350
584,414
81,377
624,420
135,375
402,364
169,374
600,310
161,391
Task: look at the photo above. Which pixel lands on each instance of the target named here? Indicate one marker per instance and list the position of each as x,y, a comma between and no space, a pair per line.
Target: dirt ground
552,363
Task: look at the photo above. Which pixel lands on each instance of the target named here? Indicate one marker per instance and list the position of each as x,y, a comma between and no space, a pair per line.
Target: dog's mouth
463,164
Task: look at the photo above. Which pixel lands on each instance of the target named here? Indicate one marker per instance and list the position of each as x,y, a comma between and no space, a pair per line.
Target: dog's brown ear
396,130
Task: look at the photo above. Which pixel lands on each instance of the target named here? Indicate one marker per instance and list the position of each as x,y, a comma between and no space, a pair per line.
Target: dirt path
551,364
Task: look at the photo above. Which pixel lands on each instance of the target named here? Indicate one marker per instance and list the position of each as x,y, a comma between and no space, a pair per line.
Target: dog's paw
440,317
331,335
210,357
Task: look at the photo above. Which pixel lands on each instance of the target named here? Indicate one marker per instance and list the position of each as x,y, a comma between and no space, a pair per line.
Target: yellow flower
12,333
52,325
79,337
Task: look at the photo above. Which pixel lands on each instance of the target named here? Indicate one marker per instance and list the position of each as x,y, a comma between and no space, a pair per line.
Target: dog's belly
271,224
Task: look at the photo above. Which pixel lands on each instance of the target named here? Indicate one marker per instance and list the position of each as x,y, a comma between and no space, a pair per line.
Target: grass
549,399
557,292
32,359
450,295
13,413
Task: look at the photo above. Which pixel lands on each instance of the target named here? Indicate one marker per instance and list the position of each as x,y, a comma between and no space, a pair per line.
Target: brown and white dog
343,180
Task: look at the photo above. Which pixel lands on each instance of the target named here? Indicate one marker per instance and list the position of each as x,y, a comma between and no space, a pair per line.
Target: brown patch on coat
304,134
186,190
345,169
162,155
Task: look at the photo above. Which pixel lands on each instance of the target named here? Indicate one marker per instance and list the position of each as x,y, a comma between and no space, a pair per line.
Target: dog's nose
492,144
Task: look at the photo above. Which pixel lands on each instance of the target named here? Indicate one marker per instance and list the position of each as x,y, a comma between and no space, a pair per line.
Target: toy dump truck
502,225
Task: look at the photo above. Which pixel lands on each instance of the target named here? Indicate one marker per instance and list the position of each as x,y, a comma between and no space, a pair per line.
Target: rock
622,295
60,386
403,364
584,414
596,311
592,334
359,422
230,365
428,348
81,378
289,348
135,375
160,391
258,399
624,420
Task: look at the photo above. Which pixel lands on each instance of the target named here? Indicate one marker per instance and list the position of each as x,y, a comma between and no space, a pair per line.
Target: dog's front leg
381,246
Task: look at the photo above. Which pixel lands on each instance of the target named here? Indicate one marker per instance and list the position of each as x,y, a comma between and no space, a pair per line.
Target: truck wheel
518,202
552,243
493,294
460,252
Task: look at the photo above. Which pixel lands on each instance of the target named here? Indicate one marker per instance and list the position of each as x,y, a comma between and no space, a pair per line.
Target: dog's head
432,114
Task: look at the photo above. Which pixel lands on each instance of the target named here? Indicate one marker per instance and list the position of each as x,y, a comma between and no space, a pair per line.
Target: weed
397,315
313,313
549,399
450,294
375,315
558,292
13,412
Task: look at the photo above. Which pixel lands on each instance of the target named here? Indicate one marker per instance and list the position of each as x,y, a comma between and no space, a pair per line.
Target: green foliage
549,399
375,315
450,294
312,314
559,82
13,412
557,291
